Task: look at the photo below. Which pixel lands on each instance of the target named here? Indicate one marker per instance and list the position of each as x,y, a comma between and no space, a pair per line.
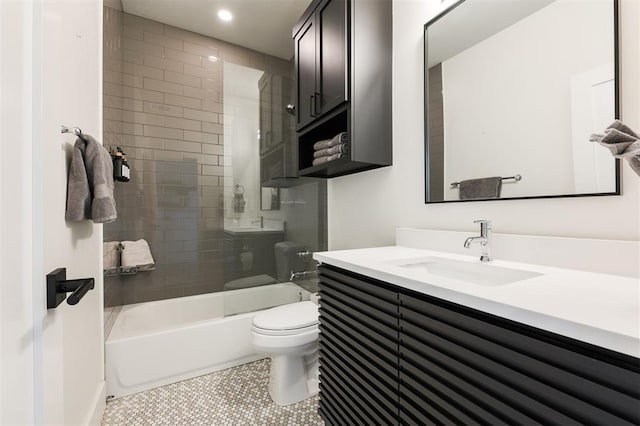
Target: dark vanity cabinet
343,73
359,350
392,356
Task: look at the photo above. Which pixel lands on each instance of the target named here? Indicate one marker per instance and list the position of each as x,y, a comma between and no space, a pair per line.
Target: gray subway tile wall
163,105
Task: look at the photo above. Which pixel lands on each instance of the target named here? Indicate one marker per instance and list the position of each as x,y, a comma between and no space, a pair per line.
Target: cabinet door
462,366
306,74
332,55
358,350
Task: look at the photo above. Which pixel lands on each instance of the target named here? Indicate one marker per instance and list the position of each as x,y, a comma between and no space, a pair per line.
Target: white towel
137,254
111,255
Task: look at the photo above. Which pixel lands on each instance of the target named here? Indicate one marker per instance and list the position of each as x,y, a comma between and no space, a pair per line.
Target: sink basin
468,272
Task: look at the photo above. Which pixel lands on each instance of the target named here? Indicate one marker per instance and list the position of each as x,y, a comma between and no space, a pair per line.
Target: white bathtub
156,343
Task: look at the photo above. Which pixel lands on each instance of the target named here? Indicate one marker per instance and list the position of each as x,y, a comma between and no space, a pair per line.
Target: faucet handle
483,223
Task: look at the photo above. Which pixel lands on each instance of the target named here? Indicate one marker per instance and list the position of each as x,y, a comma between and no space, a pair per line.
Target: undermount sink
468,272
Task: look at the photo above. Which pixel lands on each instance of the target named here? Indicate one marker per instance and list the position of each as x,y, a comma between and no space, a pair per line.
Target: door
331,18
306,74
51,369
592,110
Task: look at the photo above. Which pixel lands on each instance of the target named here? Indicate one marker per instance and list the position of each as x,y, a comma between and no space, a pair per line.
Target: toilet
289,335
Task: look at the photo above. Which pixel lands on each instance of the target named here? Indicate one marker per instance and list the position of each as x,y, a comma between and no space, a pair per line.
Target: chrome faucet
260,221
484,239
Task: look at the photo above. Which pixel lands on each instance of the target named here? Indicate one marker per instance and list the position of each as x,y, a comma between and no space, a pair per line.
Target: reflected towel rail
516,178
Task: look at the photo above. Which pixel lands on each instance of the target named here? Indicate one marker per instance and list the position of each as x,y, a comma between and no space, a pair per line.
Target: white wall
364,209
17,354
496,123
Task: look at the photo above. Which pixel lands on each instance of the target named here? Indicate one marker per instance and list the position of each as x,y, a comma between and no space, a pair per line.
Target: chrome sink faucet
260,221
484,239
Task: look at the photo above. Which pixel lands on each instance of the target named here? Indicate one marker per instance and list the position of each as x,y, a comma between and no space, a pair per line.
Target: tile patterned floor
237,396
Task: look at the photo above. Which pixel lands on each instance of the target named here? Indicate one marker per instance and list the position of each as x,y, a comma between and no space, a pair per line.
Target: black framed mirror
513,90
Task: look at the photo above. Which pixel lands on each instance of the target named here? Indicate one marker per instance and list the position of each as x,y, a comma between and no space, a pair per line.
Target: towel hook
75,130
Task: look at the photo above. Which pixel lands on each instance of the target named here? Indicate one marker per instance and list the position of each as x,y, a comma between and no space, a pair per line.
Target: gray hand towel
622,142
325,159
90,184
474,189
338,149
336,140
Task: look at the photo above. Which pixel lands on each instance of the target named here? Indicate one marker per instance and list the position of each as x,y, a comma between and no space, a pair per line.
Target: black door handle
58,286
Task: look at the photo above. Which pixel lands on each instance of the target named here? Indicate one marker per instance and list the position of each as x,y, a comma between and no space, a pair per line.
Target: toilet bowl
289,335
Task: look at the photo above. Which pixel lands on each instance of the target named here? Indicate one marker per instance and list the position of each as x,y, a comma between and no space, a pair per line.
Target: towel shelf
516,178
120,271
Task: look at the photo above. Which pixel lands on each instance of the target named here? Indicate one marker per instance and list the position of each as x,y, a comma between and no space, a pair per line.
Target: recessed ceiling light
212,58
225,15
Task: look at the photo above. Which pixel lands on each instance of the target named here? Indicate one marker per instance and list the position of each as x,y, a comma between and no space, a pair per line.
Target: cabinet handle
316,96
312,105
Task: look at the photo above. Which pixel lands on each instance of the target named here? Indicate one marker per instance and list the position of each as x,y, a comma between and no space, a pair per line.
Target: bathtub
153,344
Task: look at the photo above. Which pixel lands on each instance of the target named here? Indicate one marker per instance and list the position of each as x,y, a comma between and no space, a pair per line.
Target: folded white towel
137,254
111,255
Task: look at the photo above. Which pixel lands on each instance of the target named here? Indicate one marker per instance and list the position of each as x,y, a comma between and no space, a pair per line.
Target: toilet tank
287,259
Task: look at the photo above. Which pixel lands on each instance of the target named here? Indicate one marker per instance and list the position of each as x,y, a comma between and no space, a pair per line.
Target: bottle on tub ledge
121,170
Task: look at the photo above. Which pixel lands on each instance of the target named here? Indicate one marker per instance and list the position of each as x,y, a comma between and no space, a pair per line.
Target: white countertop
600,309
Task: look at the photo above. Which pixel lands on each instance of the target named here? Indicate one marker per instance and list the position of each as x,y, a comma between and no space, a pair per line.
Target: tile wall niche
163,106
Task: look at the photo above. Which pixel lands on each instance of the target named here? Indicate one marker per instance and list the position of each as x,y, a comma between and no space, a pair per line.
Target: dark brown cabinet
321,61
343,71
395,357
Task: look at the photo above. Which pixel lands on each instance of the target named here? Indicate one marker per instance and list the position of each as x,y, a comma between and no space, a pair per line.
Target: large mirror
513,90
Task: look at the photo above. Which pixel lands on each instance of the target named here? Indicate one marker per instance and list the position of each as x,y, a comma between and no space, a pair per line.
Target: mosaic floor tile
236,396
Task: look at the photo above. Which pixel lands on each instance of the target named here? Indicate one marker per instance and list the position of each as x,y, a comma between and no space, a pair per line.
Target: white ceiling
474,21
262,25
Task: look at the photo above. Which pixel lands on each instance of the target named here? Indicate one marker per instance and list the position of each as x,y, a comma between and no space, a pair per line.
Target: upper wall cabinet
343,71
321,61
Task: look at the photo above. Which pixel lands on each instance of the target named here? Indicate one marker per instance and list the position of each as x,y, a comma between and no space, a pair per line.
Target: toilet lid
288,317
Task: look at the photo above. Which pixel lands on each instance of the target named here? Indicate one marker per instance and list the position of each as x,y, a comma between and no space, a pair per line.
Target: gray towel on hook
622,142
90,183
474,189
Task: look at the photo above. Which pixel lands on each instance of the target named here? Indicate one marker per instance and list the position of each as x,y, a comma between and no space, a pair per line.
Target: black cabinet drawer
392,356
358,351
542,378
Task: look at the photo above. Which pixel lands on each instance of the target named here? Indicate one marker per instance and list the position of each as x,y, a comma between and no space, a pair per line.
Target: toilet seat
286,320
290,332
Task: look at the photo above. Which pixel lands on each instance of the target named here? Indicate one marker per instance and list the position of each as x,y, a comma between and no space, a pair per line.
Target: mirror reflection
513,91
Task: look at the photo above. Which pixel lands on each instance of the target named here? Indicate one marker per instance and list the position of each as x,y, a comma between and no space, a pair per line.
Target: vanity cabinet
343,72
359,350
457,365
250,253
